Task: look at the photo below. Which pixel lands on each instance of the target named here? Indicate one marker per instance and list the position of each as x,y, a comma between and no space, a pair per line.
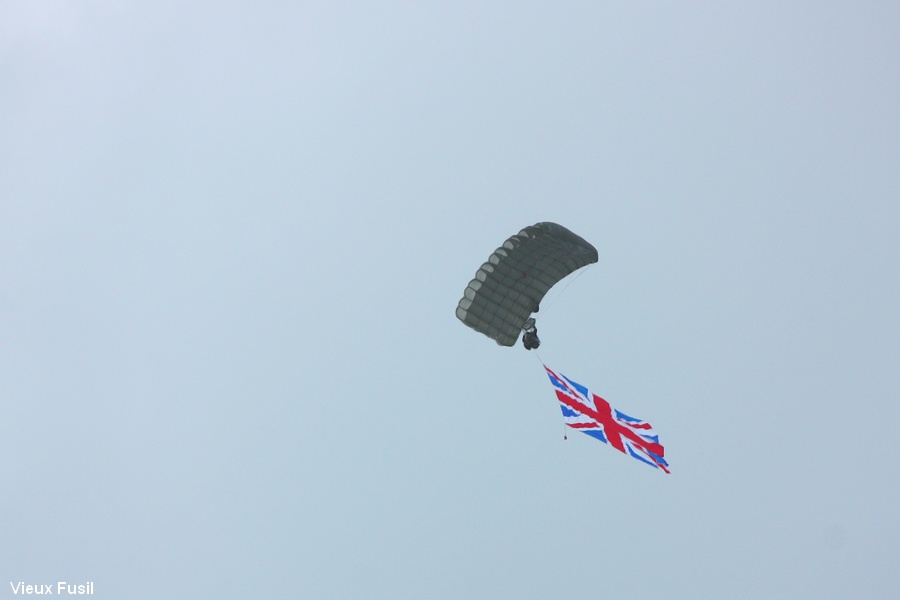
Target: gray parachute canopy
515,278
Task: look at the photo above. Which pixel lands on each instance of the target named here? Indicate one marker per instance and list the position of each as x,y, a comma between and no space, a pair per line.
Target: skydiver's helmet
530,338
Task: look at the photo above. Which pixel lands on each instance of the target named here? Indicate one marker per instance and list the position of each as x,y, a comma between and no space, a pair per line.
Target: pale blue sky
232,239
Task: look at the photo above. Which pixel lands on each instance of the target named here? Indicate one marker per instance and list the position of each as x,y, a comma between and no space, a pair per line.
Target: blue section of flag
568,412
596,433
622,415
578,387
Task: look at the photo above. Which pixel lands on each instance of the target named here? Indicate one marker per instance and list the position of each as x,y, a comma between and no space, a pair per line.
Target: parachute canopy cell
515,278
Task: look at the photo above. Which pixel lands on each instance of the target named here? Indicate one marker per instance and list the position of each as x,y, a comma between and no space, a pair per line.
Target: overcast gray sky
233,236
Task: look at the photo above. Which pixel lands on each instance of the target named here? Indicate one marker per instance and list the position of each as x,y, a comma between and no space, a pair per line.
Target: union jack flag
591,414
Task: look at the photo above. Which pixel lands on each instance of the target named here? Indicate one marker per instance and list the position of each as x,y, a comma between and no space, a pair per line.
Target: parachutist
530,339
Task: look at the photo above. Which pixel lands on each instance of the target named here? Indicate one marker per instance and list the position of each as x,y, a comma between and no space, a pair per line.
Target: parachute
509,287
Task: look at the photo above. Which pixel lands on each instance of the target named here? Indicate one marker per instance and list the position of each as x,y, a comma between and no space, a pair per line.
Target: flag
591,414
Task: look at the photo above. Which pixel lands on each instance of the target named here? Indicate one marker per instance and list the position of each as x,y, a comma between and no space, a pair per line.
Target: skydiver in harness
530,338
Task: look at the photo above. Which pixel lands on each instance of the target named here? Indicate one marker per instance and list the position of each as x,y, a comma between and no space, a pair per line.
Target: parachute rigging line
556,295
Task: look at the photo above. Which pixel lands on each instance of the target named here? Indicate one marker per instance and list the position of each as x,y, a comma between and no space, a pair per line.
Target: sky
233,237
